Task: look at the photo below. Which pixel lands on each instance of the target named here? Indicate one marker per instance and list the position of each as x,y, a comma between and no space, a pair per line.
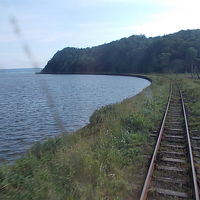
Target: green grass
191,91
106,160
191,94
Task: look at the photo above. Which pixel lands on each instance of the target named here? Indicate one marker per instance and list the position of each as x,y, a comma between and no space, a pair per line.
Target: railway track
171,173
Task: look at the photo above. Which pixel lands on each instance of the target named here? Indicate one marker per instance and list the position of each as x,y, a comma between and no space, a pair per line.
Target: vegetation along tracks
171,173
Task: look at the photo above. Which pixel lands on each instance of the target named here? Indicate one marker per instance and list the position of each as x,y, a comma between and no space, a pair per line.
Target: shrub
134,122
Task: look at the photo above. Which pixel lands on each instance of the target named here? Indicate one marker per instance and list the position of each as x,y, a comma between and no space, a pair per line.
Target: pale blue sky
51,25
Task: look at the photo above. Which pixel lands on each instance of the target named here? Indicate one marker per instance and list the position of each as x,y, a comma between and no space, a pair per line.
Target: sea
35,107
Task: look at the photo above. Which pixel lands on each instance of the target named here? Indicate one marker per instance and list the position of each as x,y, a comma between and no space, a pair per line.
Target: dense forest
178,52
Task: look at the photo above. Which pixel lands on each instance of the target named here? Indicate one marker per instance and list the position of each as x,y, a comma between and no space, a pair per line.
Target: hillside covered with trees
178,52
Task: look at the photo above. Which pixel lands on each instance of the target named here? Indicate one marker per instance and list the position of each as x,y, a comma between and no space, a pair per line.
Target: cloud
180,15
87,3
181,3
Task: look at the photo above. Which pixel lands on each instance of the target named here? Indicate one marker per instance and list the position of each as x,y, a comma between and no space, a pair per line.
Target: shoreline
143,76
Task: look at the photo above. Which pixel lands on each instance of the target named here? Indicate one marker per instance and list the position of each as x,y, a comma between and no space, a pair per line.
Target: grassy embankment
105,160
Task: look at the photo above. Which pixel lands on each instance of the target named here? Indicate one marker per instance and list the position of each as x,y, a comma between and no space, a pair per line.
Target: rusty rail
194,177
152,164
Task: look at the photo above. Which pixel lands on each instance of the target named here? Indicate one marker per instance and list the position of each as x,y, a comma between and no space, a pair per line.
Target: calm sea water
26,115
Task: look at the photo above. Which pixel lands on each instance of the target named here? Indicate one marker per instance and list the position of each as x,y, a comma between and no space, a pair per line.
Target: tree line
177,53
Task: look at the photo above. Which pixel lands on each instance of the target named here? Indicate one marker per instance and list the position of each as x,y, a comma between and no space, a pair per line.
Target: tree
191,55
197,61
176,52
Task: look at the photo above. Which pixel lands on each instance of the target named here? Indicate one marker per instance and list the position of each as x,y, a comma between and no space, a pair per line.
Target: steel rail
195,185
152,164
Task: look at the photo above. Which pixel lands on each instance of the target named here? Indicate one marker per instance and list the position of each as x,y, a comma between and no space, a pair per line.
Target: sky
46,26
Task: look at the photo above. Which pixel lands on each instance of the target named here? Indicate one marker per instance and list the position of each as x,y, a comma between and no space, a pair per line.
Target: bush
135,122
